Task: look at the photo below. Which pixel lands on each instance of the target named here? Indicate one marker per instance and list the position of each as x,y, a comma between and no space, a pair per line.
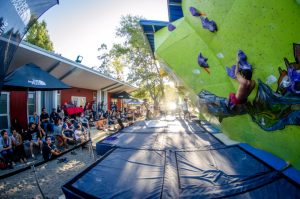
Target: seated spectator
34,119
80,134
57,133
15,124
69,136
54,116
35,138
119,120
49,150
111,118
18,146
45,121
41,132
83,120
67,125
6,148
100,124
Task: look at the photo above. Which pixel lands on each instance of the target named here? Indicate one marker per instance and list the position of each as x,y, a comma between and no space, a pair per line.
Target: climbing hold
220,55
241,55
271,79
171,27
202,61
294,76
231,71
194,12
244,65
196,71
207,24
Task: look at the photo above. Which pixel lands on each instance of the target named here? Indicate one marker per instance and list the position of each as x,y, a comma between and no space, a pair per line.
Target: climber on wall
246,85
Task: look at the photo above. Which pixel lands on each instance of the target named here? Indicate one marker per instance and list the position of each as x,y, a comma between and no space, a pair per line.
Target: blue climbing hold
202,61
207,24
171,27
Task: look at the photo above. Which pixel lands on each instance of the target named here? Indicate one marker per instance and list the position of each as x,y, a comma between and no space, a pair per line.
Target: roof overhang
150,27
175,10
68,71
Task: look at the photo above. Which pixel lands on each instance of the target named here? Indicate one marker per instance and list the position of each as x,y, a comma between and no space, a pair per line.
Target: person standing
185,109
94,110
146,104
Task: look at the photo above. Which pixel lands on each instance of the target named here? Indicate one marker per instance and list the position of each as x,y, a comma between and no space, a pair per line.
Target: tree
38,35
104,58
136,55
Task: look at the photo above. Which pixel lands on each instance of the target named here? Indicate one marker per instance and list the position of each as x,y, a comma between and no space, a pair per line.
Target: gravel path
51,175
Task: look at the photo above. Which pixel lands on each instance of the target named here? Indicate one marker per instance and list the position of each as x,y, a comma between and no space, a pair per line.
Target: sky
79,27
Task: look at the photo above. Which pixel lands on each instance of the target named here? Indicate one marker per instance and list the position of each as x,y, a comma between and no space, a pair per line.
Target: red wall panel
68,93
18,107
119,104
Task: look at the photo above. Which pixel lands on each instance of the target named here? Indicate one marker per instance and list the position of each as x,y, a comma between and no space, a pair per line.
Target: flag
16,17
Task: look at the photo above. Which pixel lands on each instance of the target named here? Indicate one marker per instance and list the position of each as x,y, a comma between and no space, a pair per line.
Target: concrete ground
51,175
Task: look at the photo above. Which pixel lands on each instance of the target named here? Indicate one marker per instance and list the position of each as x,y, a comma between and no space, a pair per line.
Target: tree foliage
135,54
38,35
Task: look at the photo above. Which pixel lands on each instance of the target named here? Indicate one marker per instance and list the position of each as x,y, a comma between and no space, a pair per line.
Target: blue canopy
150,27
122,95
32,77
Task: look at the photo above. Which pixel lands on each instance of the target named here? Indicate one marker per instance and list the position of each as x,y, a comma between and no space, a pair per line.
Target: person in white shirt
80,134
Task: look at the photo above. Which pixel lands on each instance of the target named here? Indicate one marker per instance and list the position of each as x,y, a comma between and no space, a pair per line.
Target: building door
4,111
31,104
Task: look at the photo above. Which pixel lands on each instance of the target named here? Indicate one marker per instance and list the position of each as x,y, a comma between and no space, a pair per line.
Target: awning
175,10
68,71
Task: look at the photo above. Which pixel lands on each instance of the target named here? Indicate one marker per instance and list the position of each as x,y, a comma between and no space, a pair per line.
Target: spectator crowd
50,134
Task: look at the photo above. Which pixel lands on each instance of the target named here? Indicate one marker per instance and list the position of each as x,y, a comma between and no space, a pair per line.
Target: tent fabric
272,160
133,102
177,164
32,77
142,129
134,141
221,172
122,95
125,173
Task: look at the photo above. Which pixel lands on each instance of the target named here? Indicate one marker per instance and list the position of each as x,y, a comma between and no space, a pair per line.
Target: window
4,110
78,101
31,103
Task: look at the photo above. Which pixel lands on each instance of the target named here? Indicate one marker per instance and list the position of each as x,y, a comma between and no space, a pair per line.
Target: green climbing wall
265,30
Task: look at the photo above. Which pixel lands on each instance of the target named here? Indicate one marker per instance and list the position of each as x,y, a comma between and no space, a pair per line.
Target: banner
16,17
